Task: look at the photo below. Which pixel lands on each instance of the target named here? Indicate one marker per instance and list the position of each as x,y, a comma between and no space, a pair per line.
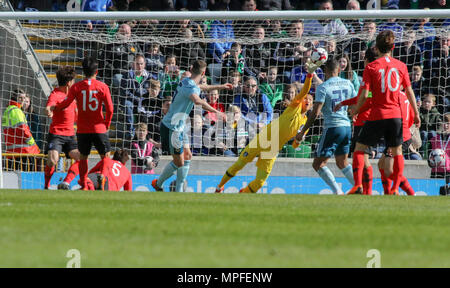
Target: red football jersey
116,172
407,116
91,95
364,112
383,77
62,120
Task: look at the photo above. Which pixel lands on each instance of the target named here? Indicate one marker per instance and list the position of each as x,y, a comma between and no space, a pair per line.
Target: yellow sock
226,177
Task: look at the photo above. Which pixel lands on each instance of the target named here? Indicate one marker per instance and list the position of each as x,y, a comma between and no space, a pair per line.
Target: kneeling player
111,174
285,127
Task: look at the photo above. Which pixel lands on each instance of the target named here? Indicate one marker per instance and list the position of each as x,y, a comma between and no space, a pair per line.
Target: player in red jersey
385,164
358,122
92,127
61,137
383,77
111,174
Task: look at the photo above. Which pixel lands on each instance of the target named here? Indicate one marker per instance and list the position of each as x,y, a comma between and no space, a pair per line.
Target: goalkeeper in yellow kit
266,144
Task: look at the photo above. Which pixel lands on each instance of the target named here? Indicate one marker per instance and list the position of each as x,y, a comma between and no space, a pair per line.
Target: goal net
143,56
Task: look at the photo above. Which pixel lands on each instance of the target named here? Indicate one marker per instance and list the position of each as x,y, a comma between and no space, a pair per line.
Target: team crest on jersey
245,154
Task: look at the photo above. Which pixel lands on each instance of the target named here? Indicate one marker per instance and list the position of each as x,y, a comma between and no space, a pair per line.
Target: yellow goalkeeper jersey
284,127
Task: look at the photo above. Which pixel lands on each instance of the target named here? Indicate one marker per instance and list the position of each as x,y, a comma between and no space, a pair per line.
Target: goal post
270,46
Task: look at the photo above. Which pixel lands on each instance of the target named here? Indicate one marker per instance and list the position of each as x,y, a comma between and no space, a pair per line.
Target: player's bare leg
73,171
49,170
383,163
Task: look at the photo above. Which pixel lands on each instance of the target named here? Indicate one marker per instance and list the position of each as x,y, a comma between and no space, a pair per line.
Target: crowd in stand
265,73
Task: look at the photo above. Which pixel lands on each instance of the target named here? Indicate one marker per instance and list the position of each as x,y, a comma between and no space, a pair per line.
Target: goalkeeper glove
312,67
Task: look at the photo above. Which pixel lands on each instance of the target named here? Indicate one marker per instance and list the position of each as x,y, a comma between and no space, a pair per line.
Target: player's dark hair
65,74
90,66
370,55
198,67
331,65
385,41
119,154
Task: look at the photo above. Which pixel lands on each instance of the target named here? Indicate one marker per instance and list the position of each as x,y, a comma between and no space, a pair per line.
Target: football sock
182,173
226,177
261,177
386,182
348,173
358,166
48,173
367,180
167,173
404,184
83,166
398,171
328,177
73,172
231,172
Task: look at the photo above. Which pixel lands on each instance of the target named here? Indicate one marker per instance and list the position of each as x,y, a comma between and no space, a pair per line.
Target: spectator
417,83
440,141
257,56
347,71
242,28
233,61
434,4
213,101
236,130
134,85
275,29
331,47
95,6
150,102
408,52
221,30
272,86
170,77
358,45
17,134
392,24
235,79
198,130
426,33
327,26
154,5
154,120
254,105
188,51
288,54
144,155
33,118
154,60
288,95
145,27
353,26
429,118
436,67
115,59
274,5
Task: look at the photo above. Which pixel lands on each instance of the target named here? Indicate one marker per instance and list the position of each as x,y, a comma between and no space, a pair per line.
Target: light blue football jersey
330,93
181,105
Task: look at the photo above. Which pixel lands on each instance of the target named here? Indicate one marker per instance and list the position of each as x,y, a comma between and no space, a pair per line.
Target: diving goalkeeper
266,144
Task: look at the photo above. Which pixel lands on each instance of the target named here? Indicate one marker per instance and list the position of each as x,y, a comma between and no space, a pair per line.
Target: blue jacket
96,6
223,32
426,43
255,111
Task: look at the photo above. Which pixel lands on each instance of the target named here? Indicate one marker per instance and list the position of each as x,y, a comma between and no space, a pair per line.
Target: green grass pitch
123,229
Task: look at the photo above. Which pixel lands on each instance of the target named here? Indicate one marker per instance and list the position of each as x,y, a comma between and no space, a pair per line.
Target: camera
445,190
